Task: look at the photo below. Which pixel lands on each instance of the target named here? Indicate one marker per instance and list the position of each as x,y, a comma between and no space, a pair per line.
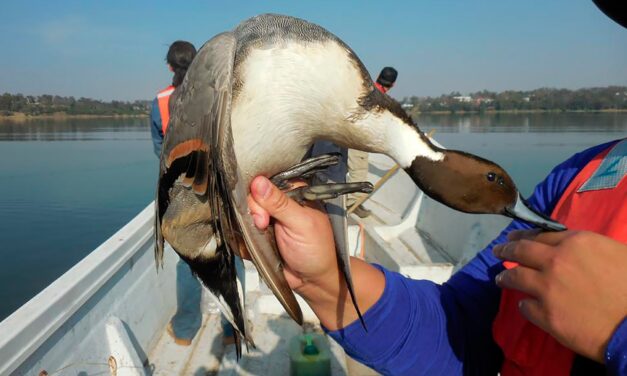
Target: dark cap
387,77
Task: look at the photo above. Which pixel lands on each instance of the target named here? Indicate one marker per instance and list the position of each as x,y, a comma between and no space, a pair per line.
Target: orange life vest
588,203
163,99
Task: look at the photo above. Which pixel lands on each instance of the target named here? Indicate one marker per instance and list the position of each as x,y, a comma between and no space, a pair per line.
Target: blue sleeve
419,327
155,128
616,352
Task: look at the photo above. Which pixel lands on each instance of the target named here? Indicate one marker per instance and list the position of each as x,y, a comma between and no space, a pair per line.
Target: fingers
554,238
533,311
271,201
546,237
523,279
525,252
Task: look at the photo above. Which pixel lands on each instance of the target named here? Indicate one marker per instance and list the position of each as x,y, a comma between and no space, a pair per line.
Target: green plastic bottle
310,355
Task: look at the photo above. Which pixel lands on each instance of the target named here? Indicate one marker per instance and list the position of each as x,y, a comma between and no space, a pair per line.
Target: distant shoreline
615,110
19,116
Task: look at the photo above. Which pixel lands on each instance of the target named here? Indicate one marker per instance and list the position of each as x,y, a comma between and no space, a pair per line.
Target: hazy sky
116,49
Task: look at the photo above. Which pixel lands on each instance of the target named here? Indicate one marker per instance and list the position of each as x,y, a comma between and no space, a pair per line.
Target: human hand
577,283
303,234
305,240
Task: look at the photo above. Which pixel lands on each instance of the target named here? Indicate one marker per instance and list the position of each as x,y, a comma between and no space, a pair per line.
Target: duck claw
305,169
328,191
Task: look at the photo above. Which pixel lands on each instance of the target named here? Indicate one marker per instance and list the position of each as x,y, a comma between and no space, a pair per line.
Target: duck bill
523,211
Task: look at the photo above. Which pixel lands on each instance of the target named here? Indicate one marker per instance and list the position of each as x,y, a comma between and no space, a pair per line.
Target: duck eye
491,176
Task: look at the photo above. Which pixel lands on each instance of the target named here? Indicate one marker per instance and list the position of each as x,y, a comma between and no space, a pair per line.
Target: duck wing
193,204
202,109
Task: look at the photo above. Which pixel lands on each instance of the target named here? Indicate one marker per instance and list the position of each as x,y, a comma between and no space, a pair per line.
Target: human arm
155,128
562,270
418,326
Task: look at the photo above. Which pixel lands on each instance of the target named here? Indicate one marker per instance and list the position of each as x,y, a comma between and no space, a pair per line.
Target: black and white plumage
253,102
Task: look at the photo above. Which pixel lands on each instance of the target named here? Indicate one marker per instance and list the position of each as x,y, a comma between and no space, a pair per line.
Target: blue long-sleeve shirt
156,129
418,327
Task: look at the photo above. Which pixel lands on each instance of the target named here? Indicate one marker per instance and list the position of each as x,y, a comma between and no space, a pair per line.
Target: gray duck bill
523,211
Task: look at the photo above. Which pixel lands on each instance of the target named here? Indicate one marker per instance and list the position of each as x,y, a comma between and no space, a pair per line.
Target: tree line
33,105
544,99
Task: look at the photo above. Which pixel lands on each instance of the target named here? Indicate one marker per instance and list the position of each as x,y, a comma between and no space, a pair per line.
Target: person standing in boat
530,303
357,159
386,79
179,57
187,320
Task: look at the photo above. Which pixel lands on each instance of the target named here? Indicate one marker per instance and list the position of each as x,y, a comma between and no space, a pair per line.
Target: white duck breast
287,100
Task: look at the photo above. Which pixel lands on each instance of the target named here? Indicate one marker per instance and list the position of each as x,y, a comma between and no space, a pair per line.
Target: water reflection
74,129
59,200
524,123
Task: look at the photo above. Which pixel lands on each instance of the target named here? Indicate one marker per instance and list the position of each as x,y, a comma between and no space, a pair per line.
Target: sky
116,49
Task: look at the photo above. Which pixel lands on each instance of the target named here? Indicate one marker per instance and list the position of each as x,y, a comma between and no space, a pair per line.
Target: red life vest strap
381,88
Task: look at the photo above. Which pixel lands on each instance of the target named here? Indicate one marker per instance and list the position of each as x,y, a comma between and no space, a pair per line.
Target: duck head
457,179
471,184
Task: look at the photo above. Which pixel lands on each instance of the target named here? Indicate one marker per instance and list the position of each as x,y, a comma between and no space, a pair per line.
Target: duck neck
384,132
434,179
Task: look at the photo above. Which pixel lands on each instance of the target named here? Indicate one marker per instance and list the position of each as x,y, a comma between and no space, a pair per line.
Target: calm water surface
66,186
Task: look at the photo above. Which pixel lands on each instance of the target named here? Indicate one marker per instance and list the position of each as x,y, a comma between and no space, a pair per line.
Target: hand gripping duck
253,102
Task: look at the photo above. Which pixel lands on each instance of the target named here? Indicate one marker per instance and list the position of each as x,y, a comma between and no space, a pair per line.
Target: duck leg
335,202
328,191
305,169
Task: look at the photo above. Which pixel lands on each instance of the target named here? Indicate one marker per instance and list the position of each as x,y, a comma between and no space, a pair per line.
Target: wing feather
189,158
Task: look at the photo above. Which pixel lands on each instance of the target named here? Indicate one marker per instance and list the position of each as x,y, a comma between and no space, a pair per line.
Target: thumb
274,201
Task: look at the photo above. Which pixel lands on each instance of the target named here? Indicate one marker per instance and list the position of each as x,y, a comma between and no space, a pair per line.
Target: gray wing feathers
185,130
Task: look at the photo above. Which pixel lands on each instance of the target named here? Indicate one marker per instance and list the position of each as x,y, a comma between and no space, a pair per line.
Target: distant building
407,106
480,100
463,98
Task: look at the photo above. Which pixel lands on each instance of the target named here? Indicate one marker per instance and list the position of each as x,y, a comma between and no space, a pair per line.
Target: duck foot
328,191
305,169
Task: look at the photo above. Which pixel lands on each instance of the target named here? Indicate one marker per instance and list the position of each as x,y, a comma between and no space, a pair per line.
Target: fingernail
257,218
498,278
263,187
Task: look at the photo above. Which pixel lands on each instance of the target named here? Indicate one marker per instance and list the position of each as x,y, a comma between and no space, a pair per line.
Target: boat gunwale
26,329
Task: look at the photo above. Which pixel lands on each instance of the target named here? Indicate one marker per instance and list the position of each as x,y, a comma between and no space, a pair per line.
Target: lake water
67,185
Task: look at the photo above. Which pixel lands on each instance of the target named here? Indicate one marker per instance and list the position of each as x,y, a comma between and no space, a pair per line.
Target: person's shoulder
548,192
595,150
582,158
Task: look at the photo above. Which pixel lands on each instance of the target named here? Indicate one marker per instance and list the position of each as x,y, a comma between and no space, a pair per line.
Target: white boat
108,314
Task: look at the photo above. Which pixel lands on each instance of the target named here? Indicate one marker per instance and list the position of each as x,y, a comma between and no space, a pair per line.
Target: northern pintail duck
253,102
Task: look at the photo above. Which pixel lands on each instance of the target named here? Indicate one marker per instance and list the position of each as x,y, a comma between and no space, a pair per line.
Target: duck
253,102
